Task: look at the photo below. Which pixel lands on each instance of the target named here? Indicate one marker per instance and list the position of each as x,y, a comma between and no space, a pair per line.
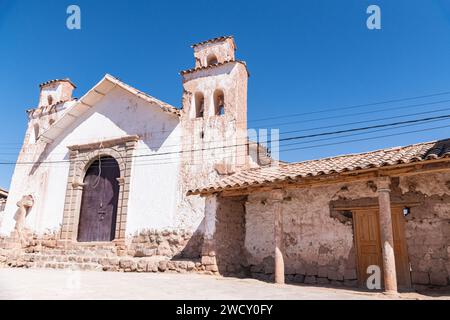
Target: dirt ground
64,284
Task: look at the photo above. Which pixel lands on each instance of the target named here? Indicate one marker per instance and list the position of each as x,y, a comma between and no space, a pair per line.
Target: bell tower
55,91
214,114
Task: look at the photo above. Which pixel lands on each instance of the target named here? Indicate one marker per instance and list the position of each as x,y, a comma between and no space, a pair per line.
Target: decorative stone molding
23,209
81,157
23,205
384,184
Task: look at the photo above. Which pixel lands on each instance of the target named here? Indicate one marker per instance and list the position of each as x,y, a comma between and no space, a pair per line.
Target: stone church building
119,180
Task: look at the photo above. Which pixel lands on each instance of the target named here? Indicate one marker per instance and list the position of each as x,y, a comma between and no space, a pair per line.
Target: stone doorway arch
81,159
98,212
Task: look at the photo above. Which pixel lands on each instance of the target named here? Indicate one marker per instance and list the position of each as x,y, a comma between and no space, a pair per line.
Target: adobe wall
319,245
229,235
428,228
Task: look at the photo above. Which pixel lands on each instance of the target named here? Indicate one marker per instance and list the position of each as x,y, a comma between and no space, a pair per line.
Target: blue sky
303,56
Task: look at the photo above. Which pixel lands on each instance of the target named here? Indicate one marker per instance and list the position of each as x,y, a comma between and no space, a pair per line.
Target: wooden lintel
374,206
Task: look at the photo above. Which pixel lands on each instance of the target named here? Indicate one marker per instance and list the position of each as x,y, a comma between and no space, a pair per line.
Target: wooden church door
99,201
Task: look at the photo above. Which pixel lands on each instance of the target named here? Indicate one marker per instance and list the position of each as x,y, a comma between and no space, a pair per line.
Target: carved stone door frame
81,157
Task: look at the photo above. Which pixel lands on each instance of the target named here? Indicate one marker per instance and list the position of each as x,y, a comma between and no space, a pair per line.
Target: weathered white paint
159,181
210,216
155,179
58,91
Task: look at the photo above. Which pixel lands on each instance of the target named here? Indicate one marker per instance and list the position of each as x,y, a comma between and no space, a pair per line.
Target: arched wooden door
99,201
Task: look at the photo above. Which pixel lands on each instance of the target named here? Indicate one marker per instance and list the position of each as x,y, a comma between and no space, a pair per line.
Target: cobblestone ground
61,284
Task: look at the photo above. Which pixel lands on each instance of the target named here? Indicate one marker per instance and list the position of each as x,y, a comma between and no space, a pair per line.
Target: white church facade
118,161
118,180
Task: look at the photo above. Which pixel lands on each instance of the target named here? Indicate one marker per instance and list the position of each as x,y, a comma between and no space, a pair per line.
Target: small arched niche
36,132
199,105
219,103
212,59
50,100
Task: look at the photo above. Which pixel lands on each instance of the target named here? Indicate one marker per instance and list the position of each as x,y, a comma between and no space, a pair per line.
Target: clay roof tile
327,166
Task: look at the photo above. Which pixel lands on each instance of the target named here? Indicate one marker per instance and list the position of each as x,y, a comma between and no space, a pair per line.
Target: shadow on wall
192,249
174,244
233,258
229,237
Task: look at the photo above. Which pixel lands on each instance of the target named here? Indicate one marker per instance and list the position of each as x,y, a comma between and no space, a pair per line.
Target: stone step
80,252
113,263
61,252
60,258
65,265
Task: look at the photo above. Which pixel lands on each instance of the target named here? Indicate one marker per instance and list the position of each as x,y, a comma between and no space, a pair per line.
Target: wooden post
386,235
276,197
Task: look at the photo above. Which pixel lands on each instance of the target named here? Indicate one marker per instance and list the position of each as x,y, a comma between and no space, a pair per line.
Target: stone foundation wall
168,243
148,251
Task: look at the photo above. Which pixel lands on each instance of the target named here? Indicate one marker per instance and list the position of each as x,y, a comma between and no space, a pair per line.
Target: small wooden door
368,244
99,201
400,248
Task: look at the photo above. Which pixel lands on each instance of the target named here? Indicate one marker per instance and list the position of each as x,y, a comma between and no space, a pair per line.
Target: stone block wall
147,251
427,228
167,243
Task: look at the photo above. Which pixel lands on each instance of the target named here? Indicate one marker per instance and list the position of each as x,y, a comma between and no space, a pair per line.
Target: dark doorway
99,201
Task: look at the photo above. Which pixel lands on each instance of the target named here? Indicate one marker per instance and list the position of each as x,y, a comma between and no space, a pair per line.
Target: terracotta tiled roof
345,163
212,66
56,80
218,39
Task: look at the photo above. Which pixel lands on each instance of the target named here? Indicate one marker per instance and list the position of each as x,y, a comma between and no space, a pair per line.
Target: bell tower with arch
214,113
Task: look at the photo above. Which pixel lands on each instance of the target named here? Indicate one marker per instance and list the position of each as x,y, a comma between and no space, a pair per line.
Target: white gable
95,95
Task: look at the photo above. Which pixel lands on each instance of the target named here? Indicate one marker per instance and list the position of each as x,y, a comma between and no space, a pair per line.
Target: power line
365,121
362,133
307,142
354,106
334,109
281,149
293,149
278,140
160,146
363,113
366,139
